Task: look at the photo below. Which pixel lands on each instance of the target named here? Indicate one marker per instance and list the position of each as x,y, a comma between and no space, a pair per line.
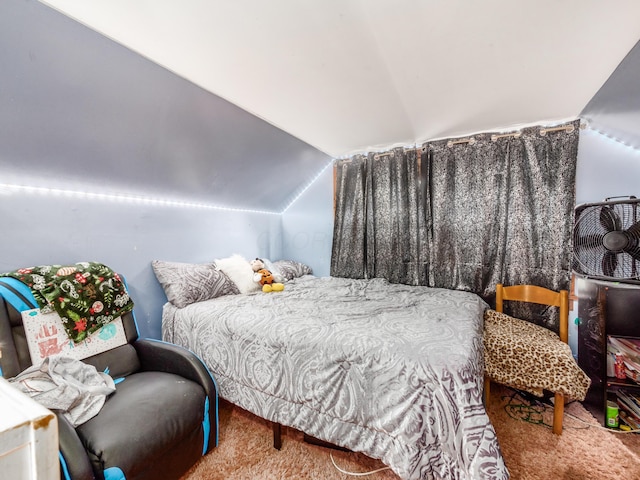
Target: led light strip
313,180
121,198
614,139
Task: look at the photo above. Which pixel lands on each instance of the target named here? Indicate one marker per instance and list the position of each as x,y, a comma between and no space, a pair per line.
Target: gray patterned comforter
389,370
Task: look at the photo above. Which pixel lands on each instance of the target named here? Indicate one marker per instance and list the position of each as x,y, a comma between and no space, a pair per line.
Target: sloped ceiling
352,75
615,109
81,113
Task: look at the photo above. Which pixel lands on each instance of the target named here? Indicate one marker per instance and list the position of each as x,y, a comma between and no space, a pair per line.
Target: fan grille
606,240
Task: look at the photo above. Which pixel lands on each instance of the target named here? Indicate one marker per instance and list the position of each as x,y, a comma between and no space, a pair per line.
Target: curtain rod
495,137
469,140
392,153
568,128
376,156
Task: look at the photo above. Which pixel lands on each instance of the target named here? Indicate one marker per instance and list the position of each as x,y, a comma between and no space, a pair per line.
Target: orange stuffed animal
264,277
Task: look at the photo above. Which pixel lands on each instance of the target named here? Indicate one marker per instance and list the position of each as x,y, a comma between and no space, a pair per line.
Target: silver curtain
380,218
502,210
463,216
349,231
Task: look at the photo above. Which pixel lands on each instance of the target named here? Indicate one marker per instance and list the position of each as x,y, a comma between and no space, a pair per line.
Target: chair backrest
540,295
120,361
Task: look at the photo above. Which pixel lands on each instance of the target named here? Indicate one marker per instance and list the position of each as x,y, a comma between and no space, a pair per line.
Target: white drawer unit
28,437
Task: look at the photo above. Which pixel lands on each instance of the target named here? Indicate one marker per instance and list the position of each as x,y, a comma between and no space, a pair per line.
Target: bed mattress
393,371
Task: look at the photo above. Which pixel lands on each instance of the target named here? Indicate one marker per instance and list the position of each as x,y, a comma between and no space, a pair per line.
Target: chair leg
487,391
558,413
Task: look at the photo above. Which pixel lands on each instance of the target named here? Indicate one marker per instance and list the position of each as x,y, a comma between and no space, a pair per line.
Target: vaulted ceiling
242,103
352,75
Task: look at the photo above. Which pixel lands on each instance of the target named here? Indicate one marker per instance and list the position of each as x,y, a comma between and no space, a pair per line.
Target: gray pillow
187,283
290,269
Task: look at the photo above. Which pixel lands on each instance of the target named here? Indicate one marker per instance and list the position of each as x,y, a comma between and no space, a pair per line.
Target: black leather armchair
162,418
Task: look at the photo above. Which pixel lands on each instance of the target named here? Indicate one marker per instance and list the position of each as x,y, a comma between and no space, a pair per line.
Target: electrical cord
590,425
531,410
518,408
355,474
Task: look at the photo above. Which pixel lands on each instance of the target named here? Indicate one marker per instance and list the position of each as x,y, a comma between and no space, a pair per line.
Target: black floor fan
606,260
606,240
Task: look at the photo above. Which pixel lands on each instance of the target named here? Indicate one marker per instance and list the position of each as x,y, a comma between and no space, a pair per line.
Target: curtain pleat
462,216
502,212
468,195
395,240
349,233
379,228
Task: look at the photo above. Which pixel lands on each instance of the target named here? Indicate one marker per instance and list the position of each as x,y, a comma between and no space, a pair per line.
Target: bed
393,371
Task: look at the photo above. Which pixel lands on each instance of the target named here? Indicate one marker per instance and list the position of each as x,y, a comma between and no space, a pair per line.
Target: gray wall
606,168
307,226
46,229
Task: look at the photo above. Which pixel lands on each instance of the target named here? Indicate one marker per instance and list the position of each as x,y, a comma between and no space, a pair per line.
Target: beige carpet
530,449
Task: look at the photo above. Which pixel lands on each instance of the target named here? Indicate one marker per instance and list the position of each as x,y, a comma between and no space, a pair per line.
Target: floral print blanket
86,295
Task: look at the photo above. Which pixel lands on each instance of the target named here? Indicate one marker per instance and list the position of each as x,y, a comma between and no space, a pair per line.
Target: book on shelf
629,402
628,420
632,375
633,344
626,346
623,407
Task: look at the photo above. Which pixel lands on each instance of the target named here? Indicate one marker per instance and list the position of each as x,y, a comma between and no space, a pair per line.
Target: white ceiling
353,75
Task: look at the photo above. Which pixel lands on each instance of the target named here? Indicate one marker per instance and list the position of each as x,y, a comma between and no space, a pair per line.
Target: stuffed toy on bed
264,277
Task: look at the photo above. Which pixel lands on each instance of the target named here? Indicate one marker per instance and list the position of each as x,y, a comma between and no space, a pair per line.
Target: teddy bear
264,277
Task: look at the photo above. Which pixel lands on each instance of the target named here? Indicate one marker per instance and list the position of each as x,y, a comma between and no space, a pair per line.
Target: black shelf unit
605,309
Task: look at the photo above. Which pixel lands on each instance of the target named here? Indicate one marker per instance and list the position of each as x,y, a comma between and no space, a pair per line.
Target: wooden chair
544,296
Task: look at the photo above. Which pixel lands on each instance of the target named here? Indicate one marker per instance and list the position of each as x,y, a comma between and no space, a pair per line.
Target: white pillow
239,271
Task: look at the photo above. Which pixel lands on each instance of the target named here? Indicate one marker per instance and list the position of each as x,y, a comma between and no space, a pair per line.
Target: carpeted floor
584,451
530,449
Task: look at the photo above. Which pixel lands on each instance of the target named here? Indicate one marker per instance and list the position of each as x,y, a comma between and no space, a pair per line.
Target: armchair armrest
159,356
74,463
